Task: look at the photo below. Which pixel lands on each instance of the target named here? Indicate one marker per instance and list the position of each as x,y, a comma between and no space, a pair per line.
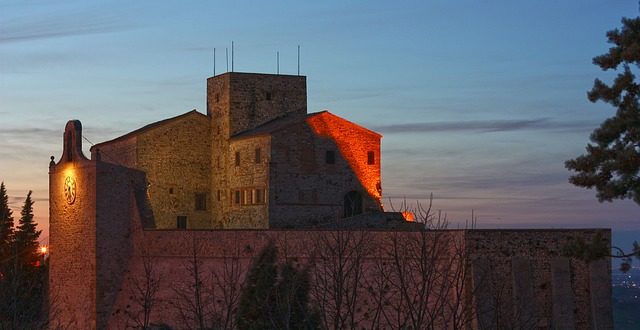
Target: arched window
352,204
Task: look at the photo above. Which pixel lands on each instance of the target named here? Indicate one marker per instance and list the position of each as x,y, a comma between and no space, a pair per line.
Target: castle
256,160
258,168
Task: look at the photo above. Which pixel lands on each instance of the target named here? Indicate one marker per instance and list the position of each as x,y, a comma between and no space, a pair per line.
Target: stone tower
88,200
238,102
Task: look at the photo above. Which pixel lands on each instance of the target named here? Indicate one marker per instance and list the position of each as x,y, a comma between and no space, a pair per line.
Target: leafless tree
338,276
228,285
193,300
423,214
143,292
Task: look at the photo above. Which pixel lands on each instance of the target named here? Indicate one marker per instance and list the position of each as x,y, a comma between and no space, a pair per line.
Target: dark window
259,196
237,158
217,98
371,158
171,191
236,197
181,222
352,204
258,156
219,195
201,201
268,96
330,157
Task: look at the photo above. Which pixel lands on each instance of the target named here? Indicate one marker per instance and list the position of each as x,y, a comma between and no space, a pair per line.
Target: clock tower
92,205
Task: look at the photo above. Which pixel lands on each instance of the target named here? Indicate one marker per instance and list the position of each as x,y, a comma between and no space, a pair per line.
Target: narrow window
371,158
237,158
268,96
170,191
259,196
258,156
219,194
217,97
236,197
201,201
181,222
330,157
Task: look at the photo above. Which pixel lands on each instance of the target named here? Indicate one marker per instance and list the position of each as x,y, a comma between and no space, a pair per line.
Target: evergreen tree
29,275
253,307
276,296
27,237
612,162
6,257
6,231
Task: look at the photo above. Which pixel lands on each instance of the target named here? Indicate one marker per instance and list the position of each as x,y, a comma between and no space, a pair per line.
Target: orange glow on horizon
327,125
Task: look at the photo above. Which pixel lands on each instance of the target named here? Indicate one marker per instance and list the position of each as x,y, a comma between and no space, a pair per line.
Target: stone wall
530,284
253,99
237,102
174,154
72,235
175,157
249,183
512,259
306,189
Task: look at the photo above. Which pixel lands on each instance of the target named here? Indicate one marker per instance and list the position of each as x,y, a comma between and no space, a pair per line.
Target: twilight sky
479,102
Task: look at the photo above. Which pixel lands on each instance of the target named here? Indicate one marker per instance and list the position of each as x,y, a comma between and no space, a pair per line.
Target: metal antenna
214,61
231,55
298,60
226,52
278,62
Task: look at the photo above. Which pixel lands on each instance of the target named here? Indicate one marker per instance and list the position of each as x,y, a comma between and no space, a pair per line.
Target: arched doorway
352,204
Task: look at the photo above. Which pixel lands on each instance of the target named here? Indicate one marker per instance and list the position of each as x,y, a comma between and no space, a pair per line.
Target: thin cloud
90,20
484,126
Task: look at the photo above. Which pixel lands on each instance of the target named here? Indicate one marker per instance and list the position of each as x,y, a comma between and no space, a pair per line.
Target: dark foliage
275,296
24,273
597,249
612,161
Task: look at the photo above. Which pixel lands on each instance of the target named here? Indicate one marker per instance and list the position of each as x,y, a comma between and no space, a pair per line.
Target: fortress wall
171,252
551,286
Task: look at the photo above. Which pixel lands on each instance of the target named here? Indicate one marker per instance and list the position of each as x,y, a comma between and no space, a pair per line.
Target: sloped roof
150,127
281,123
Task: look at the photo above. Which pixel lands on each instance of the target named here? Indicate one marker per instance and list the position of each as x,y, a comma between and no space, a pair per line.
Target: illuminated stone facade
117,212
255,160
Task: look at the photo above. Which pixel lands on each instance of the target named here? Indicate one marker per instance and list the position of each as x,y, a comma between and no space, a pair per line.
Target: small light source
408,216
43,249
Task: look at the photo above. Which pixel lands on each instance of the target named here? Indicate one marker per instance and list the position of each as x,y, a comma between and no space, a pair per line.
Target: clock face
70,189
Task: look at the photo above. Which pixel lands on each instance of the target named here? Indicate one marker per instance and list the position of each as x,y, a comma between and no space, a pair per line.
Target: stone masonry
257,169
256,160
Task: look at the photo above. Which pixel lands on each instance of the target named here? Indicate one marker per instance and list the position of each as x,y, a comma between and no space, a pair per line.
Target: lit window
181,222
371,158
237,158
201,201
258,156
330,157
